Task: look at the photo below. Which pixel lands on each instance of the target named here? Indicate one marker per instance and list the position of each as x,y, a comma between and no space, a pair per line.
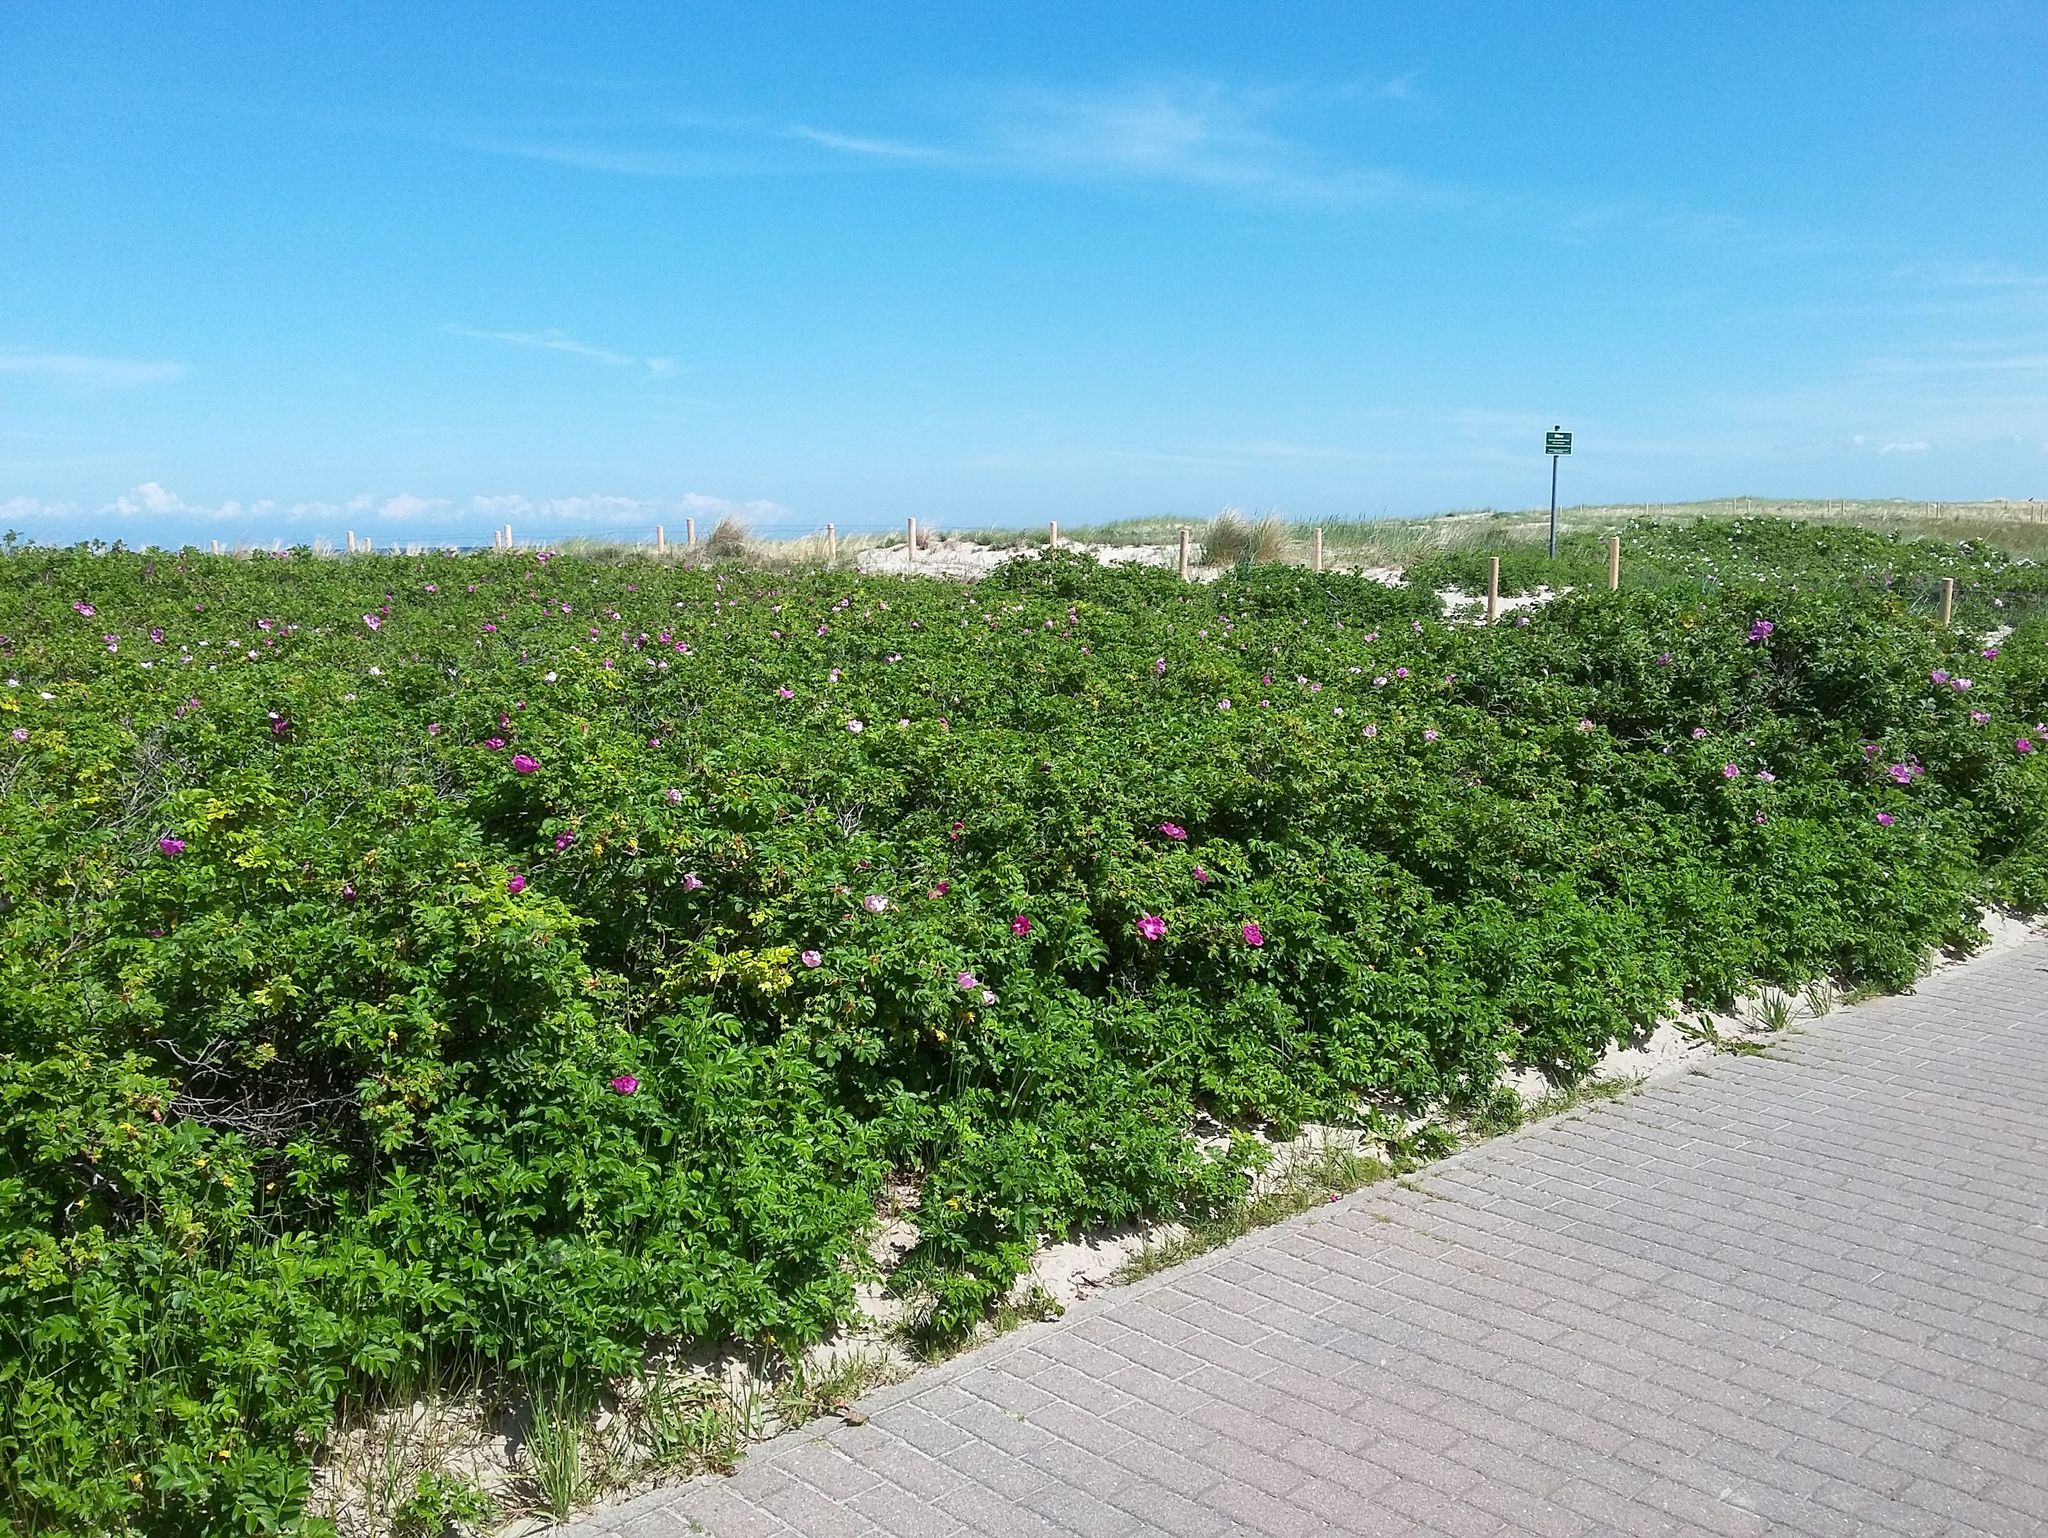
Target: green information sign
1557,443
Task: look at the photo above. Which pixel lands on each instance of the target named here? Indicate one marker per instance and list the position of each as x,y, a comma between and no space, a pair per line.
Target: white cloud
699,504
149,497
880,149
90,373
405,505
1915,446
553,340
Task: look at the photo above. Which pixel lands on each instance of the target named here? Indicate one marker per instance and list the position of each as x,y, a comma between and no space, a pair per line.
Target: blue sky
418,270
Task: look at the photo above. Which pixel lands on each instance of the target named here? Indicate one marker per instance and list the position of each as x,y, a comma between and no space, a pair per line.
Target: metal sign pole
1553,506
1556,443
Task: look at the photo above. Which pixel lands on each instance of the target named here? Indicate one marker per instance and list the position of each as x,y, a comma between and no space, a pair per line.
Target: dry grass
1233,540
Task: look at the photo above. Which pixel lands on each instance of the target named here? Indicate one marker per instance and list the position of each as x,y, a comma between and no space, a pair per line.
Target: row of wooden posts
501,539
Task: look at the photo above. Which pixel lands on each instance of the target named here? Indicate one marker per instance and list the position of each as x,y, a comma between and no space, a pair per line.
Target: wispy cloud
1914,446
878,149
88,372
553,340
1184,132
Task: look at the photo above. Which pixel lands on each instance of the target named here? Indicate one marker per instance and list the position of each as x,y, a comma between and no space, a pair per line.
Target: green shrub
412,1049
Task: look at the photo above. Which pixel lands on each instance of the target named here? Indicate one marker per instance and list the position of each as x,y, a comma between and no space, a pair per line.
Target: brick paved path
1801,1293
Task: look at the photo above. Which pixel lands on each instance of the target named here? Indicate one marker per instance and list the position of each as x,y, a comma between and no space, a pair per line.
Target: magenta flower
1767,777
967,980
1400,672
373,622
1980,717
433,728
625,1084
20,734
171,844
1020,926
1959,684
1938,676
1885,819
2023,745
489,628
812,958
1699,734
1152,927
691,881
1760,629
1253,935
1173,830
940,890
1431,734
874,902
1201,875
1730,771
1585,725
348,892
673,795
786,692
494,743
86,609
1989,653
1159,667
524,763
1371,730
1223,704
516,885
1902,774
563,841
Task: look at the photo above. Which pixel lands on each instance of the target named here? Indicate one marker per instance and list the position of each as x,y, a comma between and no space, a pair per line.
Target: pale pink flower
373,622
811,958
874,902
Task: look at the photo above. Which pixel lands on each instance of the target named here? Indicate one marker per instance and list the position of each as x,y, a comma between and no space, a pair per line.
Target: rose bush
510,960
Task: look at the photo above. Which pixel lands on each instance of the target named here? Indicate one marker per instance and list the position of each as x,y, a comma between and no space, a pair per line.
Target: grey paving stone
1803,1293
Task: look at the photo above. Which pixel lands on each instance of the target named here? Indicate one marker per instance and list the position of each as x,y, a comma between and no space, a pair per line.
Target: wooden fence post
1319,549
508,536
831,545
1183,553
1492,588
660,539
690,532
351,541
911,557
1052,536
1613,562
216,547
1948,599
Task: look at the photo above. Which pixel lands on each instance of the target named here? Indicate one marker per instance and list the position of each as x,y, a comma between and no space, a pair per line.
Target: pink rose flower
1152,927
